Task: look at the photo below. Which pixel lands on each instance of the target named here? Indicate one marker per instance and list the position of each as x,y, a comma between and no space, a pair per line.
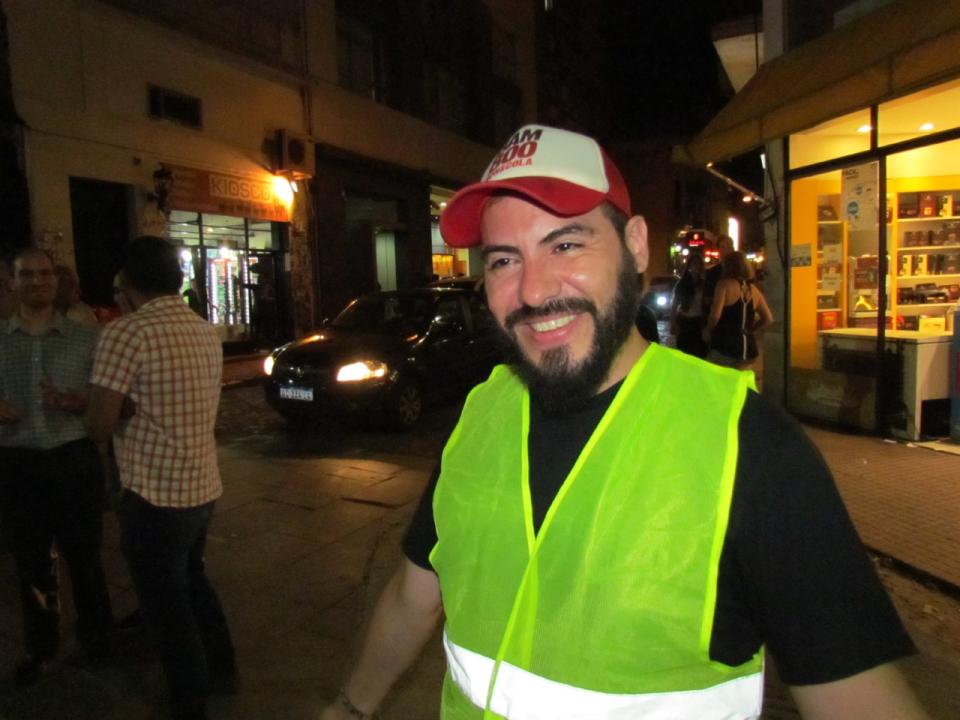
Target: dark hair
736,266
33,250
617,218
151,266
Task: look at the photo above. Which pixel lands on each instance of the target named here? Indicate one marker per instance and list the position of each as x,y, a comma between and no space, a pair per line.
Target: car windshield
386,312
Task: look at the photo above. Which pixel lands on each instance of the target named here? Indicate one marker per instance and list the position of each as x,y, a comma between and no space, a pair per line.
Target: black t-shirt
793,574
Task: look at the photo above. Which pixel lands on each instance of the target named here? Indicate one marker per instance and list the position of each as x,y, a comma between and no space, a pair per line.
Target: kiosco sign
224,194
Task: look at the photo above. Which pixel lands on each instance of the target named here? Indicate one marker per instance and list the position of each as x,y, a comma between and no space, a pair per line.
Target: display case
927,266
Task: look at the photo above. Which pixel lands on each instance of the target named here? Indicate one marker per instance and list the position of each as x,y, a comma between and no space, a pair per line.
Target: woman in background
738,311
686,315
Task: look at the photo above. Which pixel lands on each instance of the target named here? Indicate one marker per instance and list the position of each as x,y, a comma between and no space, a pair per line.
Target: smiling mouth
553,324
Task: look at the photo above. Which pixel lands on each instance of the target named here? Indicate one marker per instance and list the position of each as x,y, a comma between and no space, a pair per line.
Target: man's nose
538,282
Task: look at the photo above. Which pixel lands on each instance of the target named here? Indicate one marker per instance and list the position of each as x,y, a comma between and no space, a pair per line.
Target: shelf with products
829,257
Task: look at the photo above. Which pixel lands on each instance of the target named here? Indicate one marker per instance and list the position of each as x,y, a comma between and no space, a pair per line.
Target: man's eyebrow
571,229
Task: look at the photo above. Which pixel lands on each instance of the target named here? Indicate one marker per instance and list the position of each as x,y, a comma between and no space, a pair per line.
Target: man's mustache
551,307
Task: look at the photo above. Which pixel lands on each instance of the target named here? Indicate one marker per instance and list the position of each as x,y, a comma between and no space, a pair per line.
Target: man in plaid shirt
168,361
52,482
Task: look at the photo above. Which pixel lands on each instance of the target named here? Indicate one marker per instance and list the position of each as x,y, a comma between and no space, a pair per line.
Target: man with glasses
52,487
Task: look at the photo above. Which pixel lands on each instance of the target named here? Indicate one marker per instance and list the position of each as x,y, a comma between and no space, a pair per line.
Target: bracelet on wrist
352,710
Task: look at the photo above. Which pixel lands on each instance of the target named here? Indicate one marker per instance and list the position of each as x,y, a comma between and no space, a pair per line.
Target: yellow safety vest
607,611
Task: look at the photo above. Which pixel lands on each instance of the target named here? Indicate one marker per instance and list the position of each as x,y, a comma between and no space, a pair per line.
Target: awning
897,49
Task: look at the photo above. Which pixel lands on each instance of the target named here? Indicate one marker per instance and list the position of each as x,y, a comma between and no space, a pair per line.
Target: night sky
663,64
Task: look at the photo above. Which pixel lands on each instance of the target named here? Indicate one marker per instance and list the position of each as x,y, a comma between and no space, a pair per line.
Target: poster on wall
801,255
858,196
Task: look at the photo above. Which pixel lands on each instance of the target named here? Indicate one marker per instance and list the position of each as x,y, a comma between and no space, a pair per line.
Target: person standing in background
68,300
739,310
686,313
713,274
169,362
52,488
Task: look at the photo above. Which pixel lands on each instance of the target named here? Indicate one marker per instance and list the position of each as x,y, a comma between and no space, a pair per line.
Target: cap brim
460,219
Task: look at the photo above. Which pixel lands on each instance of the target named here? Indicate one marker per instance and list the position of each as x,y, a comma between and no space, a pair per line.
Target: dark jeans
164,551
56,497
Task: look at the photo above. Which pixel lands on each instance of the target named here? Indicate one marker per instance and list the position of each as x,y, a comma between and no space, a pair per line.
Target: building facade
297,152
855,111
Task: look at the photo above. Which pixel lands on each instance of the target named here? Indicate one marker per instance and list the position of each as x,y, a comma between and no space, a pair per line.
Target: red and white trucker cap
565,172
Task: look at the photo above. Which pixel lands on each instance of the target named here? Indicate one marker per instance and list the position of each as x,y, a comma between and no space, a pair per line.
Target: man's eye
565,246
497,263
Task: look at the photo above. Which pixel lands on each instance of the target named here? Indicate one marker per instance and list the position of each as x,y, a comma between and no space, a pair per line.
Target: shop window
835,282
231,269
835,138
919,114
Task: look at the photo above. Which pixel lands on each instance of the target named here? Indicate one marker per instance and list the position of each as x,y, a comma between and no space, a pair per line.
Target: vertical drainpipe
306,99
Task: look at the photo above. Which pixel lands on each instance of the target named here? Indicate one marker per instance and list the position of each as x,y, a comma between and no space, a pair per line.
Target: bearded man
617,529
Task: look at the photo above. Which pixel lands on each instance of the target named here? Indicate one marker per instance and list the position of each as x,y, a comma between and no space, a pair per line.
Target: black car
383,355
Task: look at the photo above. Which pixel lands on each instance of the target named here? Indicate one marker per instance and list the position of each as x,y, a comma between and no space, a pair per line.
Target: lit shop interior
449,262
231,271
874,264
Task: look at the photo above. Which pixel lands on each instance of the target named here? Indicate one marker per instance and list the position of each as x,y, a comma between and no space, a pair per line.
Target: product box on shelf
908,205
946,206
928,204
932,323
828,320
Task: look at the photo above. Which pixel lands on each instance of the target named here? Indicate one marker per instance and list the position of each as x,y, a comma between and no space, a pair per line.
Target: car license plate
297,393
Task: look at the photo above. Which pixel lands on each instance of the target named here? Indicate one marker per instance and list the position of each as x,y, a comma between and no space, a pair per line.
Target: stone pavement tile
332,522
253,560
393,492
902,499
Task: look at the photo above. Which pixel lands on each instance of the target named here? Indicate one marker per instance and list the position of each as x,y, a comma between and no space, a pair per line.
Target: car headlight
362,370
268,362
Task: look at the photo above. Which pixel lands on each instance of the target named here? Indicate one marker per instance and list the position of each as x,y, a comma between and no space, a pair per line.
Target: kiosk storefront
232,234
862,140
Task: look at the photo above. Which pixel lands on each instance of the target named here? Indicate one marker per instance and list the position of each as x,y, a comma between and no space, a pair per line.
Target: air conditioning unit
295,154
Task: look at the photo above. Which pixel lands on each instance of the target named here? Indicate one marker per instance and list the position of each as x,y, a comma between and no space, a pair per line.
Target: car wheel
406,405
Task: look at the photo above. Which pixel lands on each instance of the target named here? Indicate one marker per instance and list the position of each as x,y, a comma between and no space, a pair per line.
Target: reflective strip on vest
521,695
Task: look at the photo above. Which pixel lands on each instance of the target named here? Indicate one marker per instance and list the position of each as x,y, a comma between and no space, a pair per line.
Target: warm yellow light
282,190
361,370
864,129
926,127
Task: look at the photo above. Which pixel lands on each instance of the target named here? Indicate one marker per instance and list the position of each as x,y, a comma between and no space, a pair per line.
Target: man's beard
558,384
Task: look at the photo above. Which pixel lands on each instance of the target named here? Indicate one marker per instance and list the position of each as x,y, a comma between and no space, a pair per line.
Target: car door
448,338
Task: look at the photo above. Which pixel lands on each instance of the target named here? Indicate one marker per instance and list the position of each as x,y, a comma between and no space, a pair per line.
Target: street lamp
162,185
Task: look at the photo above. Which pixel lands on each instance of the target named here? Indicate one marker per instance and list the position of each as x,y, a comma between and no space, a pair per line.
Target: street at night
697,264
304,537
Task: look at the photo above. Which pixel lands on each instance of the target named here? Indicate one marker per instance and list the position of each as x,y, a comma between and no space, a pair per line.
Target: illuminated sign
206,191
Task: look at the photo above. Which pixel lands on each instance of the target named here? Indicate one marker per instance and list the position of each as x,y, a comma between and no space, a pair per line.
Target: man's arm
880,693
402,621
103,413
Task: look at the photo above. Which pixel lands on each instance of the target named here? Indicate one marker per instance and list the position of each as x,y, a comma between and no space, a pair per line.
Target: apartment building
298,151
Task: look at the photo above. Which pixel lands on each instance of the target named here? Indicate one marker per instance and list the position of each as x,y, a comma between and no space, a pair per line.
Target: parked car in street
384,355
659,295
464,282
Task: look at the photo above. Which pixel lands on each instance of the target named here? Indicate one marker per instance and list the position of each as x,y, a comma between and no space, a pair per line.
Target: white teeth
552,324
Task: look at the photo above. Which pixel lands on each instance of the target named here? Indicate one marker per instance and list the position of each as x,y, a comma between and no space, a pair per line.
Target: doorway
100,213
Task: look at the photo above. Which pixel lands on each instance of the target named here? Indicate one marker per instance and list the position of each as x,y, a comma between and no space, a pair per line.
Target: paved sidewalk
303,541
904,499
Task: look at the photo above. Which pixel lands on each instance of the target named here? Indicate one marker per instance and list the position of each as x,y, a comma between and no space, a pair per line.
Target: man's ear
635,237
